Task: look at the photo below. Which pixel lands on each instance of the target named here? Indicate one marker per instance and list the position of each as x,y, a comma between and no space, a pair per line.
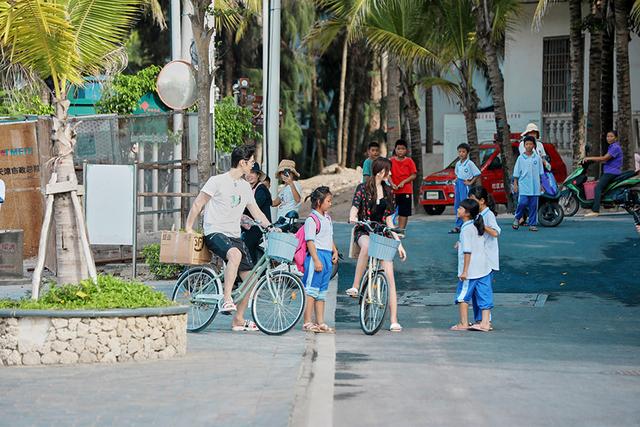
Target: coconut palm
577,72
61,42
346,16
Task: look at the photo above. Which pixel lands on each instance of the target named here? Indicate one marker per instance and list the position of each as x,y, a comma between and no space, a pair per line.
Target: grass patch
109,293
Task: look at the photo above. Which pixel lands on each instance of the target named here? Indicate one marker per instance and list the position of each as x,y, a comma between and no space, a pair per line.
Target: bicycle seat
292,215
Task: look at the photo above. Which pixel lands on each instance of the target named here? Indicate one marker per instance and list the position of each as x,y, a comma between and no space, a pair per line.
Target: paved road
565,351
573,360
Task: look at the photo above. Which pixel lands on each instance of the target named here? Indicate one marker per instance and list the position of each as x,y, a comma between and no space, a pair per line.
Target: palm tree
346,16
492,19
623,10
577,72
62,42
404,28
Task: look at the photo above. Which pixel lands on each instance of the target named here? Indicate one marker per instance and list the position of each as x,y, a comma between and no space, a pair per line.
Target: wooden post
88,256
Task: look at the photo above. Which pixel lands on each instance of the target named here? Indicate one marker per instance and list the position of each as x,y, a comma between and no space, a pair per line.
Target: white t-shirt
324,238
287,202
490,242
229,198
472,243
2,191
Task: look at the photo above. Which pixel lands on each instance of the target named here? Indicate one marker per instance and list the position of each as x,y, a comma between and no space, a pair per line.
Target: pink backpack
301,249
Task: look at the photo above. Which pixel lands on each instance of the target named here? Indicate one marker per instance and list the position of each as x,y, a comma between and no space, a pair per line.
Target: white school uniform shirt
466,170
324,238
490,242
472,243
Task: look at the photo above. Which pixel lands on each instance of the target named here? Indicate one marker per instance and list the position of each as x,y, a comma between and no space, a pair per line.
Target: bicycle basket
382,247
281,246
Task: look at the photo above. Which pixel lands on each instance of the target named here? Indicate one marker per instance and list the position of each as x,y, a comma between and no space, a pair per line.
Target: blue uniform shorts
316,283
479,288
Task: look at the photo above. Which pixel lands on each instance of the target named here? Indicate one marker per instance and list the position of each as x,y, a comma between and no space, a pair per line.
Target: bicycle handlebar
373,225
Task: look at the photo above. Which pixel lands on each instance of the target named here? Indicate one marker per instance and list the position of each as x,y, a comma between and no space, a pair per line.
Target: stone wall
50,340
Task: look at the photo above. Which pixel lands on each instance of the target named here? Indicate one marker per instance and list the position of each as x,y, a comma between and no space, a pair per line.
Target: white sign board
110,204
455,129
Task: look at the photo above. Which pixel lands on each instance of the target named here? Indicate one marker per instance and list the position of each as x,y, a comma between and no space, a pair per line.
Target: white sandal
352,292
395,327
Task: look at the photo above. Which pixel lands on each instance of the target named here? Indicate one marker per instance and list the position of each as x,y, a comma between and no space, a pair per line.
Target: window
556,75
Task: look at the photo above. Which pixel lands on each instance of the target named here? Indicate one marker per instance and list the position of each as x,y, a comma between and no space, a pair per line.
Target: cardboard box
178,247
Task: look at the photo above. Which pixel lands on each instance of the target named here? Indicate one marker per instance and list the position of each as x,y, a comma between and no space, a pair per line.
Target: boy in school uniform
467,174
526,182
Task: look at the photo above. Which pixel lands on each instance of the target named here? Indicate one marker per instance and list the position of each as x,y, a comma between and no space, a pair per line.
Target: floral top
369,209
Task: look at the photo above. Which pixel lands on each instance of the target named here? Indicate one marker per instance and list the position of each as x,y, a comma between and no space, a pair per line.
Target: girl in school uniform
467,174
491,233
474,272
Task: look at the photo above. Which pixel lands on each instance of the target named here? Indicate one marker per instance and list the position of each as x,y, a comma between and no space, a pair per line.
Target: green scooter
573,196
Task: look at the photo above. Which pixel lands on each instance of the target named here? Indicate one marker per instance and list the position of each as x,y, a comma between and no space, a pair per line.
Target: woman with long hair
374,201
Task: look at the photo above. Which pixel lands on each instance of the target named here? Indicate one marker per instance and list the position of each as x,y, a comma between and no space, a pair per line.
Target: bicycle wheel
195,281
334,269
374,307
278,303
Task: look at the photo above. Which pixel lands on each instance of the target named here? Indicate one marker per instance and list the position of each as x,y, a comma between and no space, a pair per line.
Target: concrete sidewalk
226,378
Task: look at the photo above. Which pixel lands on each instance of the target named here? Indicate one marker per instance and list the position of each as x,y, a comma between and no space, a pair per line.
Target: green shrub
234,125
160,270
110,292
125,91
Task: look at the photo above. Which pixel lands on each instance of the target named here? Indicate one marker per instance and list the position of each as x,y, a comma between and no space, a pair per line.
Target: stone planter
49,337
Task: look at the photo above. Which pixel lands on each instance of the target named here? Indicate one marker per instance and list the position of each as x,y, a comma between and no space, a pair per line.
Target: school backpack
301,249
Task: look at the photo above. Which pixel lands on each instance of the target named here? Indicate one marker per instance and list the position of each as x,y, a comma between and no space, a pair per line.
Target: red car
437,190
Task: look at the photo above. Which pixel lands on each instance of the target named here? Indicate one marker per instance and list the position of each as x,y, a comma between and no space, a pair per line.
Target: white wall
523,59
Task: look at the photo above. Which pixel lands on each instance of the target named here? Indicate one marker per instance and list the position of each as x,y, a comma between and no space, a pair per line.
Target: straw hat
531,127
287,165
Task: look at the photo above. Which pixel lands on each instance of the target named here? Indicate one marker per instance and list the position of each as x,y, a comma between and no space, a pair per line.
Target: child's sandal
310,327
325,329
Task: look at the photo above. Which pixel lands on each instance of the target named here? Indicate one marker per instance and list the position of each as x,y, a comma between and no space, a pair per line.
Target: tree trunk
315,118
429,111
204,80
484,15
470,113
577,80
625,134
606,92
393,102
594,118
341,100
413,115
345,129
384,106
229,63
376,97
72,266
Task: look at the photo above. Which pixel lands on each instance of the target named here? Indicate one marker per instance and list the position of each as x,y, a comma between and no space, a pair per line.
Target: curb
313,401
118,312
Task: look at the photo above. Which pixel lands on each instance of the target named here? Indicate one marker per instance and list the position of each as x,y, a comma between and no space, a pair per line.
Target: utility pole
271,87
176,53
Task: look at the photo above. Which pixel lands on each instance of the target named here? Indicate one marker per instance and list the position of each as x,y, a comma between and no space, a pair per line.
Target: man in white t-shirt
224,198
290,197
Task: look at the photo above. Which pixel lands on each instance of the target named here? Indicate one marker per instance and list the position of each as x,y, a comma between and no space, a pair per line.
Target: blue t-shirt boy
466,169
527,171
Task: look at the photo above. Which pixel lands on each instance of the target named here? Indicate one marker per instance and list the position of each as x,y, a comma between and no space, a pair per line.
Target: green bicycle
276,297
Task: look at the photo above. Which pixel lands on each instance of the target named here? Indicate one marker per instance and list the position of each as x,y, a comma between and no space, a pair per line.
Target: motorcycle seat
624,175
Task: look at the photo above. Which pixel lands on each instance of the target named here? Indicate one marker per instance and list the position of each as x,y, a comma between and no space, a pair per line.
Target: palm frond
541,9
156,13
100,27
323,34
450,89
38,36
635,12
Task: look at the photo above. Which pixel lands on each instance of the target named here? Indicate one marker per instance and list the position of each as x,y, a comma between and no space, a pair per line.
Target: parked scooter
575,196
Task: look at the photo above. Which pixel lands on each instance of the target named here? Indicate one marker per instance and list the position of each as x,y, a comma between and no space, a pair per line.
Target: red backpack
301,249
